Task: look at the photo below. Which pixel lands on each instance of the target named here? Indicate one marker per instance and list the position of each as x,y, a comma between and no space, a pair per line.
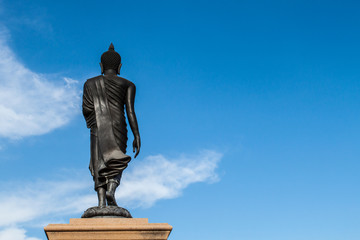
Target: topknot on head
111,47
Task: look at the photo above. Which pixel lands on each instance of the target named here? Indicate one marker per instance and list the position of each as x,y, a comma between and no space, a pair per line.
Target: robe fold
103,109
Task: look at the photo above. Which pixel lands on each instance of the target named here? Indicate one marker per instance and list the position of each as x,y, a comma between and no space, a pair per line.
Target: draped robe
103,109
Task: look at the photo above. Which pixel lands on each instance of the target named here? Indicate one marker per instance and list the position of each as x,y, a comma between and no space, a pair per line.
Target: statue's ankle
111,186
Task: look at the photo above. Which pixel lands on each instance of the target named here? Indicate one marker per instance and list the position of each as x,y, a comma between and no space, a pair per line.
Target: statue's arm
87,101
130,111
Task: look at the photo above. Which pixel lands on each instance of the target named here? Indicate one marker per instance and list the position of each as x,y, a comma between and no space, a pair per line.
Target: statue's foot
110,197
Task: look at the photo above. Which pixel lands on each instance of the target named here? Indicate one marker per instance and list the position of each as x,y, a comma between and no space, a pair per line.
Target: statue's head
110,60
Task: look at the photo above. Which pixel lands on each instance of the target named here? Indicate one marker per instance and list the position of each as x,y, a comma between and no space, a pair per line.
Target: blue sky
248,114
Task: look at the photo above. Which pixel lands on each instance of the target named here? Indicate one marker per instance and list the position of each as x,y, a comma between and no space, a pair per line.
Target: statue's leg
101,196
110,192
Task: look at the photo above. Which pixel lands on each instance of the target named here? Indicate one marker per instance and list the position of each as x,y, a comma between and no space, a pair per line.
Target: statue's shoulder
125,81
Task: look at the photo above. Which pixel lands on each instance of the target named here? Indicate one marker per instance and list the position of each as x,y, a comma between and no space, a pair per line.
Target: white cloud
31,103
157,178
151,180
15,233
42,198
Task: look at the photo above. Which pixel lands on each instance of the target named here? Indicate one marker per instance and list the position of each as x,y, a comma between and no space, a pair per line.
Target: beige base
108,228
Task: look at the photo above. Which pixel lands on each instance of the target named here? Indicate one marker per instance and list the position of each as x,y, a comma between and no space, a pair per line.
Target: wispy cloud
157,177
153,179
15,233
31,103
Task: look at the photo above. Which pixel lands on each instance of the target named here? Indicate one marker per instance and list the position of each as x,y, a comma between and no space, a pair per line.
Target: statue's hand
136,146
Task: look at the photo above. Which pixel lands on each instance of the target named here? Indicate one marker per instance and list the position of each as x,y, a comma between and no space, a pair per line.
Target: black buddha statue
105,99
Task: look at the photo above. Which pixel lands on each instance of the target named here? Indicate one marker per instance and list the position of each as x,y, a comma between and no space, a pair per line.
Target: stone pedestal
108,228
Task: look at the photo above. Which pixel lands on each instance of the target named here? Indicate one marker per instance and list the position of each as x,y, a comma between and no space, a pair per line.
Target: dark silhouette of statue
105,98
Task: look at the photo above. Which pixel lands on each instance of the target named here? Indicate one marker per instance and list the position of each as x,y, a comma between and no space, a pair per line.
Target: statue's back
115,89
